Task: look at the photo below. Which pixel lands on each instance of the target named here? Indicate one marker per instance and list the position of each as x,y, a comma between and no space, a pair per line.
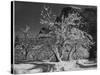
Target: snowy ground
38,67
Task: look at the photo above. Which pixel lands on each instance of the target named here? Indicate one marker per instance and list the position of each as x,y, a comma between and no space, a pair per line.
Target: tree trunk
55,50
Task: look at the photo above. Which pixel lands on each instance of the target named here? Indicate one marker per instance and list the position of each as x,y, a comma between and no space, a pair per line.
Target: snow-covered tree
72,43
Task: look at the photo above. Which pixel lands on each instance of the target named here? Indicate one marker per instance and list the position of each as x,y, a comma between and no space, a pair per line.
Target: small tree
26,41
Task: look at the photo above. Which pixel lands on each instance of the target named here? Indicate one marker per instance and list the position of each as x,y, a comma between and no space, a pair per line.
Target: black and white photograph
53,37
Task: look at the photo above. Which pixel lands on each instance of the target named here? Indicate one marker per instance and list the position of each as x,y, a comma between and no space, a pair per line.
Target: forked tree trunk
73,49
55,50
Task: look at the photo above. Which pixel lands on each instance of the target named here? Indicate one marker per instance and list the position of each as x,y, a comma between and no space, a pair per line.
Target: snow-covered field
52,66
